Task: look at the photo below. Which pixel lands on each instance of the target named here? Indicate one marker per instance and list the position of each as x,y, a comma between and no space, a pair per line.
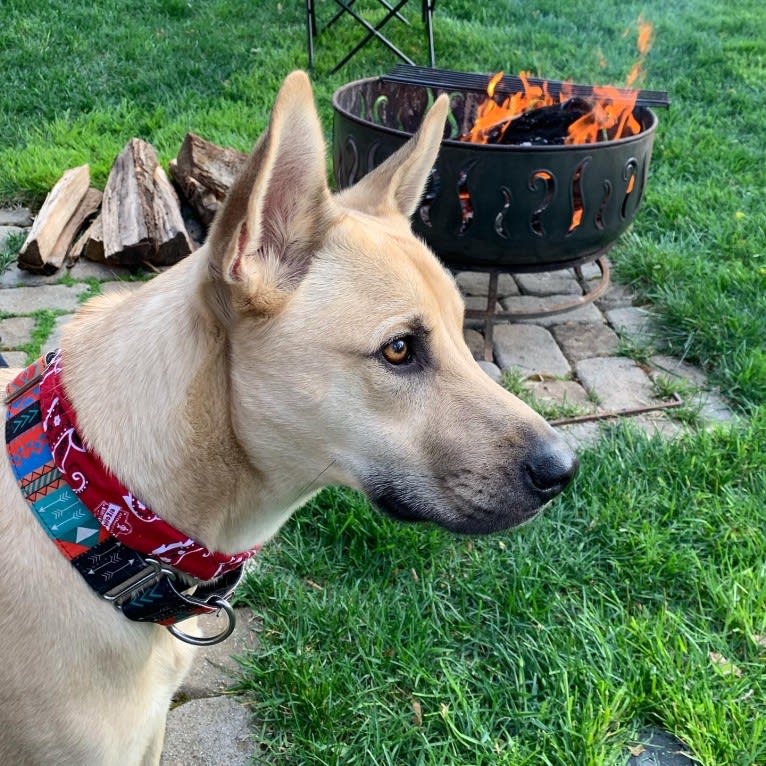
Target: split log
126,212
170,235
139,218
91,243
87,210
204,172
45,248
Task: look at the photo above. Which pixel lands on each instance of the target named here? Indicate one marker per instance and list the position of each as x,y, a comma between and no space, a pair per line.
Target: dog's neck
148,378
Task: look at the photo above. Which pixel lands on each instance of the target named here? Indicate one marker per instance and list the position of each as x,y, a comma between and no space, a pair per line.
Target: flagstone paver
491,369
54,339
567,358
81,271
6,232
15,358
477,283
582,340
214,670
618,383
475,342
711,407
15,216
208,732
535,303
529,349
25,300
562,392
478,302
677,369
549,283
581,435
617,296
206,728
632,323
15,277
16,331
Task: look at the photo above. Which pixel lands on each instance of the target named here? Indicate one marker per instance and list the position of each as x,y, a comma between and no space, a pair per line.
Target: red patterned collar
123,515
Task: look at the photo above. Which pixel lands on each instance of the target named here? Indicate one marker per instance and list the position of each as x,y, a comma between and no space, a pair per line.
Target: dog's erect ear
262,239
397,185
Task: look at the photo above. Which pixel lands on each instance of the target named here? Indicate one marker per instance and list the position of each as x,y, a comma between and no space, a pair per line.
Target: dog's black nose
551,467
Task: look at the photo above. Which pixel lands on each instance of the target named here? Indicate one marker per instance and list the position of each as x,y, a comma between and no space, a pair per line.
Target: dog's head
345,336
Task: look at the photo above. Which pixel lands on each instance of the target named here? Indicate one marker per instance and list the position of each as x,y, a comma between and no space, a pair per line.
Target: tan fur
227,391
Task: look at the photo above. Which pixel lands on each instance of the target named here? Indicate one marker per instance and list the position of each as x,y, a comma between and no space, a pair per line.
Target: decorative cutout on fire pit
500,217
629,173
546,180
457,106
599,219
379,110
347,163
464,195
578,203
433,189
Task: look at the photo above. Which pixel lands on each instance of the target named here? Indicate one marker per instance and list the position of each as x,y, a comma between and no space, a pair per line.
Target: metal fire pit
521,198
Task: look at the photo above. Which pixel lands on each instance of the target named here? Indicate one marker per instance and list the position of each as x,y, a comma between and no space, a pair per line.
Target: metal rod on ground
627,412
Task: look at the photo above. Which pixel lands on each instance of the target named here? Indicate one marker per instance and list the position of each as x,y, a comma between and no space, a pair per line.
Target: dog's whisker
305,488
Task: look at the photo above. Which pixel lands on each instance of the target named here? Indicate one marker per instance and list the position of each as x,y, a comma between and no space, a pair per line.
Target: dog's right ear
262,239
397,184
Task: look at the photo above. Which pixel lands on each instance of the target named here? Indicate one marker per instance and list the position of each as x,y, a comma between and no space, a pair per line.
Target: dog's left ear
397,184
263,237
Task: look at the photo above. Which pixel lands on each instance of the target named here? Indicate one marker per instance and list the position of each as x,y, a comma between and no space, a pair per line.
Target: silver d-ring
218,603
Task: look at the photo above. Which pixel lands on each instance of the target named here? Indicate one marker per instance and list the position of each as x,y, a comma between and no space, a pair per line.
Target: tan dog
311,341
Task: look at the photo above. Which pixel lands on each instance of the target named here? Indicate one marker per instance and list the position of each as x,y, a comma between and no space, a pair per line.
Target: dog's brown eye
398,351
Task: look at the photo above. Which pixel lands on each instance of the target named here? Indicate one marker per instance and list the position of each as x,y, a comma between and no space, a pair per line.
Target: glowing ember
609,114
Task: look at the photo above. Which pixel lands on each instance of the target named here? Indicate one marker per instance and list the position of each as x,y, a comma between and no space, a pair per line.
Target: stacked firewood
137,220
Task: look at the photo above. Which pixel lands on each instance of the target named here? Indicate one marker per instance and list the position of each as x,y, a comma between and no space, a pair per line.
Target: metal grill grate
449,80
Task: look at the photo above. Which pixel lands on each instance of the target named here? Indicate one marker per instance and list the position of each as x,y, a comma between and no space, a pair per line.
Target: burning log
140,218
204,172
69,205
546,126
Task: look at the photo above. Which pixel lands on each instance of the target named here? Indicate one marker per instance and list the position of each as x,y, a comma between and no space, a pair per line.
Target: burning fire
610,115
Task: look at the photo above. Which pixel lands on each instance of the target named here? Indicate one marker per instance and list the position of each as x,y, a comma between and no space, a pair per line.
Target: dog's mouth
468,520
396,508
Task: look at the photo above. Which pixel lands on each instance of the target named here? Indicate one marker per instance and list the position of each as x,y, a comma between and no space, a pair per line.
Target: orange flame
611,116
644,45
491,116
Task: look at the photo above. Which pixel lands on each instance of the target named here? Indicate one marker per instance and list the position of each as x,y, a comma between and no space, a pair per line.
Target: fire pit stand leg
490,315
489,318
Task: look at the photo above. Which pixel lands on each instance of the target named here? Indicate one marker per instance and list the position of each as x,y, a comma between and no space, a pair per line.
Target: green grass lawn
631,602
640,597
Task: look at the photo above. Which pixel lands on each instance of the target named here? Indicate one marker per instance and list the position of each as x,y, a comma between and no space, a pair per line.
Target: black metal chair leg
428,10
311,30
393,11
374,31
